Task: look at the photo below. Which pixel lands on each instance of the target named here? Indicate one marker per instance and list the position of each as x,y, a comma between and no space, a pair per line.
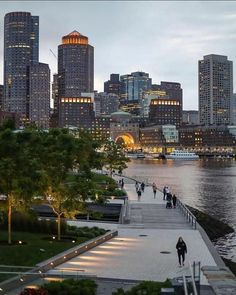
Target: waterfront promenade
144,248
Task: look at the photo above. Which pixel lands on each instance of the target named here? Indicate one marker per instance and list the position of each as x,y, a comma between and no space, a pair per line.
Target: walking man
142,186
174,199
139,193
154,188
181,250
164,192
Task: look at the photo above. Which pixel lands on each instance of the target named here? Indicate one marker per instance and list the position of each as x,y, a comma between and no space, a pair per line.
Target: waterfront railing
187,213
189,284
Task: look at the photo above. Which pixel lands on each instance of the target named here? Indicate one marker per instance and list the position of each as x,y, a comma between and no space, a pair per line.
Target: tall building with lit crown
215,74
21,48
75,76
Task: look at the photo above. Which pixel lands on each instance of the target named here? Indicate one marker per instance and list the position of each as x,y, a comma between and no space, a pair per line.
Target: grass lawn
30,253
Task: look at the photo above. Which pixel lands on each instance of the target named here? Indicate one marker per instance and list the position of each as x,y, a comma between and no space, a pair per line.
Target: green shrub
30,223
147,288
71,287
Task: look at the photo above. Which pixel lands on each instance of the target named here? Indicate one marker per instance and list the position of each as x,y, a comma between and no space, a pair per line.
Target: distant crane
53,54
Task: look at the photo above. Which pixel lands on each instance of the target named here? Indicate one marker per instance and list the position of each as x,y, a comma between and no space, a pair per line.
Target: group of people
139,189
121,183
170,203
170,200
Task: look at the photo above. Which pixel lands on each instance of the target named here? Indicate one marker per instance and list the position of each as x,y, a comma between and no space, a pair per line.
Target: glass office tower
21,48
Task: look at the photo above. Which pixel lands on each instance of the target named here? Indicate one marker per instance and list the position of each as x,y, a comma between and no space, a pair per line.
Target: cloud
163,38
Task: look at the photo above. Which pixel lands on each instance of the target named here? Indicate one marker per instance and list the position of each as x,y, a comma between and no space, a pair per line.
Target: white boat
136,155
184,155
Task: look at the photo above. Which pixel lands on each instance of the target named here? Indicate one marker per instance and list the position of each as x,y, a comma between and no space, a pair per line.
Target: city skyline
168,48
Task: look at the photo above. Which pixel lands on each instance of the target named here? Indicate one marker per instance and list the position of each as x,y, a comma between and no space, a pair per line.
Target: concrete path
145,248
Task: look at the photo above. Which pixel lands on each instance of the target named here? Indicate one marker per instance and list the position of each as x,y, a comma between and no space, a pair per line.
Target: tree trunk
9,219
58,227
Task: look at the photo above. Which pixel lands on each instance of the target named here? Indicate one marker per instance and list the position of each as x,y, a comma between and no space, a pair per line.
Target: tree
67,164
58,161
115,158
20,170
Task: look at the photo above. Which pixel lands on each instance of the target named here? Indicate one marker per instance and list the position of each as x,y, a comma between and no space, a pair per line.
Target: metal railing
191,283
187,213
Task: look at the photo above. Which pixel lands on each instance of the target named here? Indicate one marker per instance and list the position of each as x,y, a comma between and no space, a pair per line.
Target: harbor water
206,184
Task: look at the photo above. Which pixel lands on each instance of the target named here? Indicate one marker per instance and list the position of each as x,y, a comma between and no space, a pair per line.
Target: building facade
132,88
76,112
207,137
123,129
39,93
1,97
147,97
21,48
101,127
163,111
113,85
234,110
55,93
173,91
106,103
190,118
215,74
75,76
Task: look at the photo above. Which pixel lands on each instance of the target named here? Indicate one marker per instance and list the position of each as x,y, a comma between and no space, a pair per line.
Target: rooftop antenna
53,54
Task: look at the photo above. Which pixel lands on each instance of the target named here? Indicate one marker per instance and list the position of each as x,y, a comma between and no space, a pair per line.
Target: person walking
174,199
164,192
139,193
169,200
122,183
142,186
136,186
154,188
181,250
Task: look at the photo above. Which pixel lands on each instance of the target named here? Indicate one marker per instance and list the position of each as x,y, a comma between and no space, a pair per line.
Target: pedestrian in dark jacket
142,186
181,250
139,193
174,199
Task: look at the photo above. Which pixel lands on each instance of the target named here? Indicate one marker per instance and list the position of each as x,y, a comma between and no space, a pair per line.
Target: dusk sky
164,39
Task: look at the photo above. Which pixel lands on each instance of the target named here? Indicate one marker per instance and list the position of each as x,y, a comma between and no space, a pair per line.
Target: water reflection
209,185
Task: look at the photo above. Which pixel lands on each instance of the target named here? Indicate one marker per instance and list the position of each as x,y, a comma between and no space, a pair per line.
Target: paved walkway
145,248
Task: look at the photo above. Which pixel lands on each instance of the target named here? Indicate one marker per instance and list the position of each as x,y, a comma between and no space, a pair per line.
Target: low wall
54,261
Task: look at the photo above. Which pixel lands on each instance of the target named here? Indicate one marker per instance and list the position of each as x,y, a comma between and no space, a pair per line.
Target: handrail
185,285
193,280
188,214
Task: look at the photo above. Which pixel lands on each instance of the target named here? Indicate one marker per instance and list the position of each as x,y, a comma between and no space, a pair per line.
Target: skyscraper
215,73
113,85
21,43
75,65
39,93
75,76
132,88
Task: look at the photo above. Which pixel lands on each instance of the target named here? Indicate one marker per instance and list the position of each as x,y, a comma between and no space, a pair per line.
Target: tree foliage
115,158
34,163
20,170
